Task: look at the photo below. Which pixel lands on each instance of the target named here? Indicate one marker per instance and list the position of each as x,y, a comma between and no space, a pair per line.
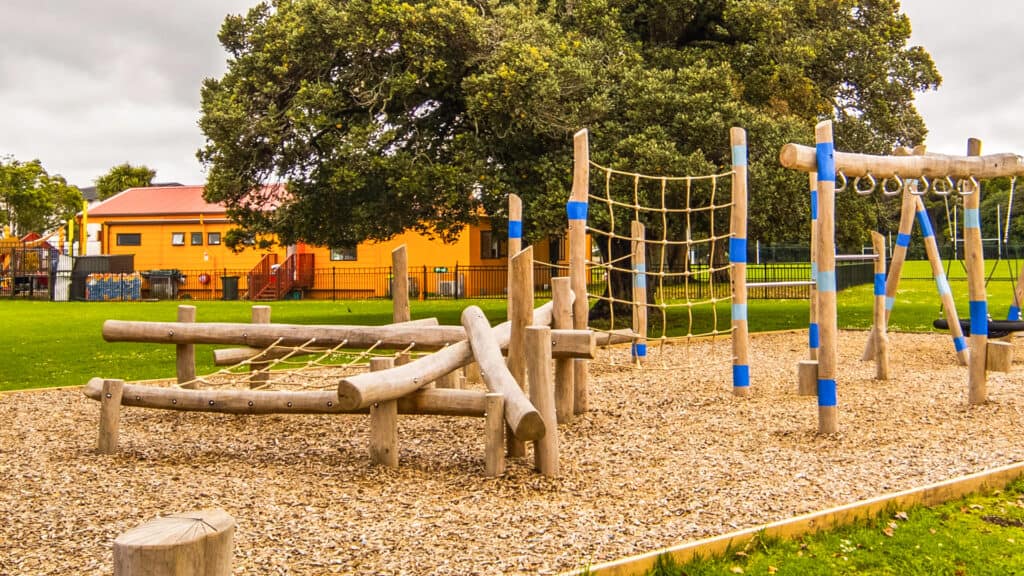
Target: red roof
157,200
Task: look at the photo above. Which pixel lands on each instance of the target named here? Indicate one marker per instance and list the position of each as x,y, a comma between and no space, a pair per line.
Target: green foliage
386,115
33,200
123,177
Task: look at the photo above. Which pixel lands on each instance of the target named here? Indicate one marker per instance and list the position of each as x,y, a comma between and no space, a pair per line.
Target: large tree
32,200
386,115
122,177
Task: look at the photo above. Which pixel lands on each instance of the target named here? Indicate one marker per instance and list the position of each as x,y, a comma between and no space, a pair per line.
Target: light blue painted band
826,281
889,302
814,336
1014,313
814,271
879,284
925,223
639,350
737,250
942,284
640,276
960,343
903,240
577,210
971,218
739,155
515,229
814,204
825,152
979,317
739,312
826,392
741,375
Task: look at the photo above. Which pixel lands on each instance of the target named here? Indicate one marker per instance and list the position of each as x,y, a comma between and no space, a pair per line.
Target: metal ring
960,187
840,177
945,189
899,185
865,191
915,188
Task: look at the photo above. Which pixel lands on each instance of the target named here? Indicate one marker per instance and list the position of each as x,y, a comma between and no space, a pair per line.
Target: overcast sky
88,85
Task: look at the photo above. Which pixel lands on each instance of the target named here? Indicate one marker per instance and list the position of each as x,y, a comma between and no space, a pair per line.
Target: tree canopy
123,177
33,200
386,115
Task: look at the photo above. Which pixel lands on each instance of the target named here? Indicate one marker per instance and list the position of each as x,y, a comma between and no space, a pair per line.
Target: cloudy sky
88,85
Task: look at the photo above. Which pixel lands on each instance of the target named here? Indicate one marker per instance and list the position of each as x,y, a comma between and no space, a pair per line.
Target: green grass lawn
981,534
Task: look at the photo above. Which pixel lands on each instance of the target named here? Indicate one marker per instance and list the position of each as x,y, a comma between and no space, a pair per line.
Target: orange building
174,228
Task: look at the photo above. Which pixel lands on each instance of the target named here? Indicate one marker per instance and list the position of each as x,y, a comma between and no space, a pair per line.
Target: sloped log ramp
434,402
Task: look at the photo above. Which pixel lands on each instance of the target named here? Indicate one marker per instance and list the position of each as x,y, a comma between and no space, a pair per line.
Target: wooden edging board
930,495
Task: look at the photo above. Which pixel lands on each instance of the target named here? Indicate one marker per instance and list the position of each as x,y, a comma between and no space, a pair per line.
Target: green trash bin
229,285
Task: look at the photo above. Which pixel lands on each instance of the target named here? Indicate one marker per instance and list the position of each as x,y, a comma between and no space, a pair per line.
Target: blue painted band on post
737,250
826,281
814,336
739,155
826,392
942,284
971,218
577,210
960,343
741,375
879,284
640,276
639,350
515,229
814,204
1014,313
739,312
925,223
889,302
826,156
814,271
903,240
979,317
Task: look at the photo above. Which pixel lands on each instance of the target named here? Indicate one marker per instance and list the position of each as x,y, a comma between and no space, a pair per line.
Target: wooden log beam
433,402
799,157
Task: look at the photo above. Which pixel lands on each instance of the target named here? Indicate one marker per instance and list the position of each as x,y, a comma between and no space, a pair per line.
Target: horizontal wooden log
361,390
804,158
522,417
620,336
434,402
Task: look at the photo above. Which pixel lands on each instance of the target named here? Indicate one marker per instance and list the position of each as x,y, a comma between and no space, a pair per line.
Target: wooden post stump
199,543
1000,356
807,372
110,416
494,434
542,395
259,370
186,353
384,423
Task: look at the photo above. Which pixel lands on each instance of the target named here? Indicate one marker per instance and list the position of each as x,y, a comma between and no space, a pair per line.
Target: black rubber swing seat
996,328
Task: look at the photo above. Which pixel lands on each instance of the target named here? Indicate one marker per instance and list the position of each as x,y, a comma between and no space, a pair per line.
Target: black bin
229,285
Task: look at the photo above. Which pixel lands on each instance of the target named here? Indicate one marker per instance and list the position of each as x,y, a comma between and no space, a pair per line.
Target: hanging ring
918,186
865,191
840,177
894,191
942,186
963,189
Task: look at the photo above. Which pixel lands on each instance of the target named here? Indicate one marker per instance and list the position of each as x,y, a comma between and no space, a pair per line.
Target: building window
177,238
491,246
213,238
345,253
196,238
129,239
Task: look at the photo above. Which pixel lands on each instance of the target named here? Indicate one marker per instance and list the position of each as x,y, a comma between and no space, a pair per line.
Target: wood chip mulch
666,454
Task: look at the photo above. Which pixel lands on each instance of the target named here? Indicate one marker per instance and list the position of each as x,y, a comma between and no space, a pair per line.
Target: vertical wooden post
384,423
449,380
186,353
738,262
515,226
400,285
577,211
542,396
494,434
828,417
472,371
110,416
942,283
813,337
199,542
880,330
520,299
561,318
977,386
260,374
899,256
639,248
